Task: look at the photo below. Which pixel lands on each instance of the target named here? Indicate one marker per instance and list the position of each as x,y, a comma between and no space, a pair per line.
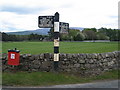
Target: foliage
113,34
101,36
91,29
51,34
89,34
70,36
65,37
35,37
73,32
79,37
73,35
31,37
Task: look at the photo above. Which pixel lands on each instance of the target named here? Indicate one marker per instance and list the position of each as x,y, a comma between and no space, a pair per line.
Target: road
100,84
105,84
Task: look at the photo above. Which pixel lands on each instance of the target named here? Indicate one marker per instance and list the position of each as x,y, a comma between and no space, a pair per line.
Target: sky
22,15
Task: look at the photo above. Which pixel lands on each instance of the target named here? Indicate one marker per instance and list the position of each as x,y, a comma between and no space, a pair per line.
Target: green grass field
65,47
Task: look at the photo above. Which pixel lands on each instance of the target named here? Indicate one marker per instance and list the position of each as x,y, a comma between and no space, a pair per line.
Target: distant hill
43,31
79,28
28,32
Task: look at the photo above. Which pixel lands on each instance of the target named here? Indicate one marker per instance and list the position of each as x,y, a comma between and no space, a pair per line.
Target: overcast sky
20,15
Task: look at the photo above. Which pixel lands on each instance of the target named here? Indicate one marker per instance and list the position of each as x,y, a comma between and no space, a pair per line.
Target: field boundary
82,64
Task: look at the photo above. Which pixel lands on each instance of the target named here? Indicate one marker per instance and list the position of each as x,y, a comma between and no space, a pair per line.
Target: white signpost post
59,27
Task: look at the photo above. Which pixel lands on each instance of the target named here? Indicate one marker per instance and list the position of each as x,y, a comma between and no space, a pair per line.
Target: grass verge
49,78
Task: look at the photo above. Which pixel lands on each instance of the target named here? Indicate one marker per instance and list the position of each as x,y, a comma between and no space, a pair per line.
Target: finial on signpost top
56,17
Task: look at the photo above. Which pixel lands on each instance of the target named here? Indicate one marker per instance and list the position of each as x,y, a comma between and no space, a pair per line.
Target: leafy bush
79,37
101,36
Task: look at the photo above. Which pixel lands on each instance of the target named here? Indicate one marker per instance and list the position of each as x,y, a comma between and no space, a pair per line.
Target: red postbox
13,57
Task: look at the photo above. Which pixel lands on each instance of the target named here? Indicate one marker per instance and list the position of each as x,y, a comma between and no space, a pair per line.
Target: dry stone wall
83,64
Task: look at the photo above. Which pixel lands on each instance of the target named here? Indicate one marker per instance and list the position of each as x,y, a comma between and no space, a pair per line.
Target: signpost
59,27
64,27
45,21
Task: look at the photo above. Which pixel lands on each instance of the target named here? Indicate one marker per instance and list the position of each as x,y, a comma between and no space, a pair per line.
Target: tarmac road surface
100,84
105,84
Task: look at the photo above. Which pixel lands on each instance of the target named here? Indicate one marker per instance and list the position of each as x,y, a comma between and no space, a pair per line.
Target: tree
94,29
51,34
70,36
64,37
72,33
101,36
35,37
5,37
91,29
89,34
79,37
113,34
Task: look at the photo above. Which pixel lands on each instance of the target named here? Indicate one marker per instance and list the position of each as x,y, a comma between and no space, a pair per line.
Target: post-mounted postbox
13,57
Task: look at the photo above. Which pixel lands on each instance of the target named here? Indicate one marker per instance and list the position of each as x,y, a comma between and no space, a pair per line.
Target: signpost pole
59,27
56,41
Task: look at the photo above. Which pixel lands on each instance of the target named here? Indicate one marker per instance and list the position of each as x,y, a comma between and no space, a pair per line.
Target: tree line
92,34
31,37
72,35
